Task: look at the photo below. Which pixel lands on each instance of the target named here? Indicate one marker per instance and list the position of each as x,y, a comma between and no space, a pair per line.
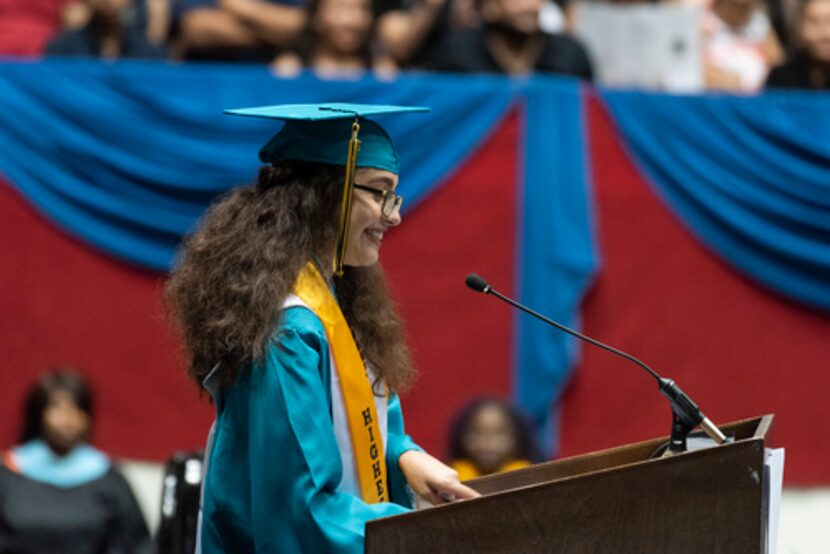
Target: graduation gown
274,470
68,511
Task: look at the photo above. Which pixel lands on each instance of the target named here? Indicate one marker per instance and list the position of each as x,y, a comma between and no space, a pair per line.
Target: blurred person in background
237,30
154,14
58,493
782,15
490,436
337,41
110,29
414,32
511,40
739,46
809,67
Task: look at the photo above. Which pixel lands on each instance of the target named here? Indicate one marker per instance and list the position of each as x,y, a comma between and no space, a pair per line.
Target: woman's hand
432,480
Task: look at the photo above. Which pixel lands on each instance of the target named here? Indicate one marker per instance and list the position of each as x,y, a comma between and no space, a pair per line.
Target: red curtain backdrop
462,340
65,304
737,349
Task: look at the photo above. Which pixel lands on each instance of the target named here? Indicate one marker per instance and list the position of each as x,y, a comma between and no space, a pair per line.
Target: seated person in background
511,40
241,30
809,67
739,46
414,32
153,14
336,41
114,29
490,436
59,494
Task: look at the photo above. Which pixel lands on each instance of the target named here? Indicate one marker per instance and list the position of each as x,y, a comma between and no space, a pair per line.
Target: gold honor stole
358,397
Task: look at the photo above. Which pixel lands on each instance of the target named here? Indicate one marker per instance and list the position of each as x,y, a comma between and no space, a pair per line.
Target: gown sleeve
397,442
294,459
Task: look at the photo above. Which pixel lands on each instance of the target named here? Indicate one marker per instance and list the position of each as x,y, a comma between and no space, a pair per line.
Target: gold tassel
346,203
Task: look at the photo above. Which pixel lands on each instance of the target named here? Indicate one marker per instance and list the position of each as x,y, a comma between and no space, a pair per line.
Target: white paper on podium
774,473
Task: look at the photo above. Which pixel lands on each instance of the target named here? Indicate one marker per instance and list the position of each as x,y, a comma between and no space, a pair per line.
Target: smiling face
368,224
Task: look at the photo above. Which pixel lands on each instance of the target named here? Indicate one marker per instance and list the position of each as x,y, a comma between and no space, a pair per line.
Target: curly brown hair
235,271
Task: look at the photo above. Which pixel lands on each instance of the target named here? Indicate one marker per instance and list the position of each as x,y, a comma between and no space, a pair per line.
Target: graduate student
289,325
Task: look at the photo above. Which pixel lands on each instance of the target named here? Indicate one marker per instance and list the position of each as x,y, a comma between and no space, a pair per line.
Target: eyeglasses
389,201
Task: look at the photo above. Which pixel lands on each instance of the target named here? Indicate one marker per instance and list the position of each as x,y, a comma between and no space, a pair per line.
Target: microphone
477,283
685,413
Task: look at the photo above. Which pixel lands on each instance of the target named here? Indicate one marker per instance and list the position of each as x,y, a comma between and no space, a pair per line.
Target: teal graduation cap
322,133
335,134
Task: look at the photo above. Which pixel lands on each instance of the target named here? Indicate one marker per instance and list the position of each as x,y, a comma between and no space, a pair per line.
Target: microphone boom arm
685,413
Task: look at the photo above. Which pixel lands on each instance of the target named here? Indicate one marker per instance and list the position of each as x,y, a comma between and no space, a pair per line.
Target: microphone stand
685,413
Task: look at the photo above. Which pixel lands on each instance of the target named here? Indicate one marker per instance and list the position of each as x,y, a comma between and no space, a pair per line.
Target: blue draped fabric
127,156
558,254
750,177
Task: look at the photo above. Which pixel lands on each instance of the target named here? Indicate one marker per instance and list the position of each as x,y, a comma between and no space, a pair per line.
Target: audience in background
241,30
109,29
159,13
58,493
338,38
809,66
781,14
490,436
75,14
510,40
414,32
740,46
336,42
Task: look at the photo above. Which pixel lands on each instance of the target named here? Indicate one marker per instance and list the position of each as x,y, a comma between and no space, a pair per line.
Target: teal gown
274,465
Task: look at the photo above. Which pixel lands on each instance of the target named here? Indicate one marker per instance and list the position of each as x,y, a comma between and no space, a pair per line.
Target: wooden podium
613,501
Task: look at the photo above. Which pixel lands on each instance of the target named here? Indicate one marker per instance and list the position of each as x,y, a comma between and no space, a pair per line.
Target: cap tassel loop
346,203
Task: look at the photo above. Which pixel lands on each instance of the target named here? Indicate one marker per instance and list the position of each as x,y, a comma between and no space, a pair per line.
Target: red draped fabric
738,350
461,340
63,303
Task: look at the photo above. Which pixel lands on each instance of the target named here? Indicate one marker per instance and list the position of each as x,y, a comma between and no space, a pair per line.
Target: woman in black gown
58,493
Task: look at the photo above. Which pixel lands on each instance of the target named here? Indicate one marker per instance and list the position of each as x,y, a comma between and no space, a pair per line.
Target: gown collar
38,462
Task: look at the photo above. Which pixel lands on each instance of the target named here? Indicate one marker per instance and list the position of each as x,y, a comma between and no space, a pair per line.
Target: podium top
615,500
755,428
